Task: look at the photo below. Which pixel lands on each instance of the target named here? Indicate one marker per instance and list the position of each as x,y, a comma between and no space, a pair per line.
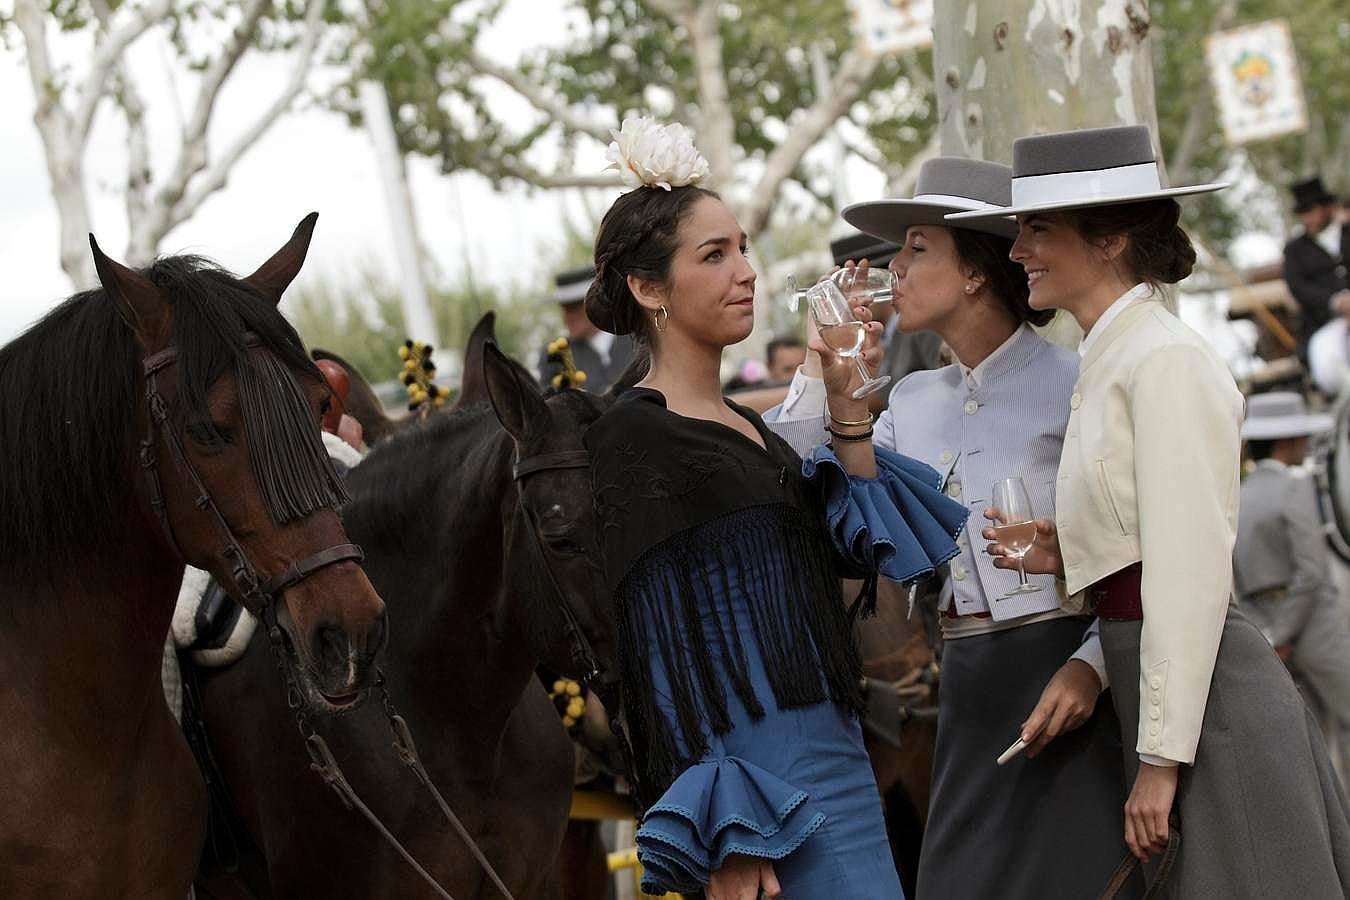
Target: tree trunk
1010,68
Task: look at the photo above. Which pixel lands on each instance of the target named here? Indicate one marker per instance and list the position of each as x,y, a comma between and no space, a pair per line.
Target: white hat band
953,200
1098,184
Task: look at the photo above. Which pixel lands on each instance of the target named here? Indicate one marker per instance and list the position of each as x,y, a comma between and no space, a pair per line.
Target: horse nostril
378,635
331,648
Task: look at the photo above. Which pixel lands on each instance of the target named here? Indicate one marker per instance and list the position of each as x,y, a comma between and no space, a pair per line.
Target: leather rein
242,570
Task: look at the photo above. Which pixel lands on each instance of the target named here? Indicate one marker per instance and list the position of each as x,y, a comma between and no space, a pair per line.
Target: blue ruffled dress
739,672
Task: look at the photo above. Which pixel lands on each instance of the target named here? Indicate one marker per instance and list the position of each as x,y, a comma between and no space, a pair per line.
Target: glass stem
1022,570
862,369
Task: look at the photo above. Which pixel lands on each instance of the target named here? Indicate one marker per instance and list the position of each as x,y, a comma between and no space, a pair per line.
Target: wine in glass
840,331
875,286
1016,528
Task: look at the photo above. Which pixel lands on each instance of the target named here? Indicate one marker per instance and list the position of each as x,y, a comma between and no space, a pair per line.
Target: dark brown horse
477,530
137,433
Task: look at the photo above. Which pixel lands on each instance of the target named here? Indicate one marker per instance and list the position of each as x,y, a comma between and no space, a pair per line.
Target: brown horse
477,527
170,416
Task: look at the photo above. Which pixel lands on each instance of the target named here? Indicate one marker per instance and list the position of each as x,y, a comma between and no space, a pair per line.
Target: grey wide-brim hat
1281,414
572,285
945,185
1089,167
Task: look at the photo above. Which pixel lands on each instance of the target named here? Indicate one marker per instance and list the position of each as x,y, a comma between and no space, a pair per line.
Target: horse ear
275,275
516,399
138,301
472,387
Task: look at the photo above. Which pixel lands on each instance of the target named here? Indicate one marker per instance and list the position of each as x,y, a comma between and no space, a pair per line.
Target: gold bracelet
861,423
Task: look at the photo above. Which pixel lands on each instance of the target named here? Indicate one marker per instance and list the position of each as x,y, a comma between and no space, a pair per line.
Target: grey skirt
1262,814
1034,828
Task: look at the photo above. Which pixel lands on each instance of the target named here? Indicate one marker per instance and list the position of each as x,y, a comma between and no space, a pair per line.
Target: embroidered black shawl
676,498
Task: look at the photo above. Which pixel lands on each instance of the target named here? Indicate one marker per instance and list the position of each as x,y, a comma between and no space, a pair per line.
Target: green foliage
363,321
1320,33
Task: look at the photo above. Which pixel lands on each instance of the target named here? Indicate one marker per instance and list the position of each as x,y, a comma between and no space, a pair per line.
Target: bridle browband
244,573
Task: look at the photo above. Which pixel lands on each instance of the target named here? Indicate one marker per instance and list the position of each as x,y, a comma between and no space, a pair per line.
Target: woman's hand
1146,812
1067,702
1042,559
741,878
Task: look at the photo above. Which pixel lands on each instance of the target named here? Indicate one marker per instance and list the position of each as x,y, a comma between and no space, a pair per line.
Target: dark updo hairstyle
987,254
1157,251
637,237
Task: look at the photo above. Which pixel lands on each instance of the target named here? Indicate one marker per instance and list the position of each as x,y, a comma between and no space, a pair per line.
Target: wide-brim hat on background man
1281,414
945,185
572,285
857,246
1089,167
1310,193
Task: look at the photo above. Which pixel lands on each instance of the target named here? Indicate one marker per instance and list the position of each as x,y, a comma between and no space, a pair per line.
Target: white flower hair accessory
663,156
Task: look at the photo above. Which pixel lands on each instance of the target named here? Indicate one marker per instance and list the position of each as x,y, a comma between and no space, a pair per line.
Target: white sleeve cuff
1158,760
805,398
1091,653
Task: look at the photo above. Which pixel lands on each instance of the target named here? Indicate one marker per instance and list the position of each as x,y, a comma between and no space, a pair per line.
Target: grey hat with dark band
572,285
1089,167
945,185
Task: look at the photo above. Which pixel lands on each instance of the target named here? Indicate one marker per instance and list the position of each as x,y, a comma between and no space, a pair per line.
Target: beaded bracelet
844,436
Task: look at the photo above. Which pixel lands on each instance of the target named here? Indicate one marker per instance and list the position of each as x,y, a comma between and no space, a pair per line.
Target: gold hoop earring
661,318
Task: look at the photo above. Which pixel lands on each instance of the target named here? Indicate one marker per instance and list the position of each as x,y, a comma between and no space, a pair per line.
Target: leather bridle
242,570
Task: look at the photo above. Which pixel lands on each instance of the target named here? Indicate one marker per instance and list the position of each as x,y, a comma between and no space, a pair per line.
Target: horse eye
209,435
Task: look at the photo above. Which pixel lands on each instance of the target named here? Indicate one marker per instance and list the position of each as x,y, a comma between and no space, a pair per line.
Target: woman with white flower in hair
723,552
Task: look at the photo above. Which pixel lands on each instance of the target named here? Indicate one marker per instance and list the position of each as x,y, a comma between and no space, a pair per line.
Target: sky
309,160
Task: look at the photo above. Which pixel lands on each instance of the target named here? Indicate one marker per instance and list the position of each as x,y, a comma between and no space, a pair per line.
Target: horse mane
68,391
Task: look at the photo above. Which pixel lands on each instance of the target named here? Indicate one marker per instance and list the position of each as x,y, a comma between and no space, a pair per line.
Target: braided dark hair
637,237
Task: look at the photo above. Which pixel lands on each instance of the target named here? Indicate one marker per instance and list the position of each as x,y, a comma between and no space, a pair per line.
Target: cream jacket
1150,473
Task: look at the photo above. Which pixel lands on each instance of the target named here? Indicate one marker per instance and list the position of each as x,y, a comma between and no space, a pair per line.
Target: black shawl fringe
783,563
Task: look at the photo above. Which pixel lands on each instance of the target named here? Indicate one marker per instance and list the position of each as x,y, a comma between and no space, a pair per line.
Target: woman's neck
980,330
689,374
1088,306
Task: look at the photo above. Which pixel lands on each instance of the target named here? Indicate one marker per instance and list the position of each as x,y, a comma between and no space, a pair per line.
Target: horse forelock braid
289,461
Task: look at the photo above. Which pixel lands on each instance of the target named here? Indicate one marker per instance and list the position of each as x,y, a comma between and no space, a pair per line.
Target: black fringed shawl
681,503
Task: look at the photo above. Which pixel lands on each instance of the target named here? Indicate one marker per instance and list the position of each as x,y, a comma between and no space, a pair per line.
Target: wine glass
876,285
841,331
1017,526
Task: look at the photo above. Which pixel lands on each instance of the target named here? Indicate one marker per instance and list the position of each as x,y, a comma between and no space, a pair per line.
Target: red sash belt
1116,596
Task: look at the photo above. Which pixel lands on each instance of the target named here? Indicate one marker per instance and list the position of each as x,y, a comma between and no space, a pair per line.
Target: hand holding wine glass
1016,530
841,333
1043,558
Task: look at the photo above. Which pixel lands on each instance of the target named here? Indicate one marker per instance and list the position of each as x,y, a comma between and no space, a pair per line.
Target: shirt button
1155,682
1157,701
1152,744
946,456
959,573
1155,712
1154,729
954,489
971,407
1075,401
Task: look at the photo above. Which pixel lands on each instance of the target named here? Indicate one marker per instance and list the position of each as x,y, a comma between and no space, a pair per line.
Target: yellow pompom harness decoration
560,352
418,376
569,701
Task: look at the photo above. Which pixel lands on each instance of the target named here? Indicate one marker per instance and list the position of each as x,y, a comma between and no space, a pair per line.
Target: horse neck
463,647
82,642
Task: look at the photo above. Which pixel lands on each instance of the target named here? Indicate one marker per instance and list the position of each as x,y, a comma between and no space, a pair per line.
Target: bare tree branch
534,177
173,204
1179,164
63,154
107,55
138,145
718,130
844,90
899,182
539,98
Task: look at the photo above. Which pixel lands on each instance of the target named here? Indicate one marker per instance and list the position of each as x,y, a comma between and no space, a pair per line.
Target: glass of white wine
1016,528
841,332
876,286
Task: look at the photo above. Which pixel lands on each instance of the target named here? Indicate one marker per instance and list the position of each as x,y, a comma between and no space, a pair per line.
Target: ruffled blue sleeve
715,808
898,524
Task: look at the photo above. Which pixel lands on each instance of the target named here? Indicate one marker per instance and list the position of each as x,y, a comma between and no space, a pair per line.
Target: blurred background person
602,356
1314,260
782,357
